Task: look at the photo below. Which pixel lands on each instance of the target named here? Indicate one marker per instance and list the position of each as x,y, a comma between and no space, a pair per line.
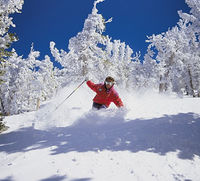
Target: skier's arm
117,101
92,86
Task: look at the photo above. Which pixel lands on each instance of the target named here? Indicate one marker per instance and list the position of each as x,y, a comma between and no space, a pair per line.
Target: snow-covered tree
191,58
149,71
177,50
27,81
46,79
93,54
121,63
7,7
86,54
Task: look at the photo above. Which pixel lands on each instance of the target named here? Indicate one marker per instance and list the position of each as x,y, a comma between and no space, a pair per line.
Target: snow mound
77,108
102,117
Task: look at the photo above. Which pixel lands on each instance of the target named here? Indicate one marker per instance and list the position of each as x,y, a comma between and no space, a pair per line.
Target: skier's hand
87,78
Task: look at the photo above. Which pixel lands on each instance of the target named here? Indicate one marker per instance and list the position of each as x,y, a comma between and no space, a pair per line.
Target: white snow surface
156,137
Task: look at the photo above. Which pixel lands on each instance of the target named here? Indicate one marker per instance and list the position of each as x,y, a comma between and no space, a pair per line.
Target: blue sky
42,21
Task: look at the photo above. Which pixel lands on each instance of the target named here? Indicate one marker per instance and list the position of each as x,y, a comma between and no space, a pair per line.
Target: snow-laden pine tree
177,50
191,56
93,54
18,84
166,45
27,81
86,50
46,80
121,63
7,7
149,72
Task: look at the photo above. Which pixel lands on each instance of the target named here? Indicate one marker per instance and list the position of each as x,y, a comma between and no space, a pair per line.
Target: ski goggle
109,83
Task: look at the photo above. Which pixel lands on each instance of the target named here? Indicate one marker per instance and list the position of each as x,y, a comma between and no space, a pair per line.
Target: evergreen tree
86,50
121,63
191,56
93,54
149,71
6,38
27,81
177,50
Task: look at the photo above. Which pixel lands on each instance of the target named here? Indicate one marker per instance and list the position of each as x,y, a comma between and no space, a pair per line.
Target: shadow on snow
54,178
159,135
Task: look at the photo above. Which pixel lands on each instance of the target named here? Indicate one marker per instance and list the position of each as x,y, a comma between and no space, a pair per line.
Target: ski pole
70,95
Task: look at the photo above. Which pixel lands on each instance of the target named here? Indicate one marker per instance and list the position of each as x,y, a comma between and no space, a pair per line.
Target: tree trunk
163,85
192,92
38,104
2,110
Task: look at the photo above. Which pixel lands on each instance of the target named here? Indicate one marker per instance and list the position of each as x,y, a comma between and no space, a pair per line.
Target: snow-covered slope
155,138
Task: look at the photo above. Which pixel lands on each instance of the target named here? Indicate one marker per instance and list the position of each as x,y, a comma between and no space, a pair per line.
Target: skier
105,94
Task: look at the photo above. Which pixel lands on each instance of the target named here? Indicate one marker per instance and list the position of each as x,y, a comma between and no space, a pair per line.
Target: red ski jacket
105,96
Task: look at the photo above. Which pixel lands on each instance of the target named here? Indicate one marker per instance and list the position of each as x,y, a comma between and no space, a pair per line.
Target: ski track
155,138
